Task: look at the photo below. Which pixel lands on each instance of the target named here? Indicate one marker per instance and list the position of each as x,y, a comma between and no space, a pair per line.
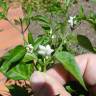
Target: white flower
29,48
53,36
72,21
45,50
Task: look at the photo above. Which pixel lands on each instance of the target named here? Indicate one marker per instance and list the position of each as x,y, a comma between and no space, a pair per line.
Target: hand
51,83
3,89
10,36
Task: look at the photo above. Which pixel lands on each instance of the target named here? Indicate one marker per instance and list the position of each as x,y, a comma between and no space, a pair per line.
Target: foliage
4,7
69,64
42,52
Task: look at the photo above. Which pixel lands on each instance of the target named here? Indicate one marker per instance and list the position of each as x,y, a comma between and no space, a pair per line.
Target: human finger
43,84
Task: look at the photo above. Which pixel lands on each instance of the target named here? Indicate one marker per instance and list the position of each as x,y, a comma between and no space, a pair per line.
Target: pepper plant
42,52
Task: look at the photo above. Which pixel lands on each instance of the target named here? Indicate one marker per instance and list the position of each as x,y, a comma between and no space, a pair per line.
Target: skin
9,37
53,80
3,89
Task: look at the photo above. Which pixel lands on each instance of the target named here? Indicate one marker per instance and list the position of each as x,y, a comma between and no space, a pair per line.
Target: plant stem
22,31
35,67
26,27
45,65
59,47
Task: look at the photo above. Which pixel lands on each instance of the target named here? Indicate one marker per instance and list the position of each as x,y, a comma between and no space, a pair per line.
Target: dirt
85,28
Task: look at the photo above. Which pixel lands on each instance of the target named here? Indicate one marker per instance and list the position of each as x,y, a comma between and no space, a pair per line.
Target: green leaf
22,71
38,42
2,16
70,90
46,27
30,38
67,2
92,1
46,40
54,7
85,42
28,58
29,10
13,56
4,5
68,61
81,12
41,19
94,49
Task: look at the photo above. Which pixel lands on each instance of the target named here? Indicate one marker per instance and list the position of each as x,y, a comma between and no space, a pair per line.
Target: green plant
40,53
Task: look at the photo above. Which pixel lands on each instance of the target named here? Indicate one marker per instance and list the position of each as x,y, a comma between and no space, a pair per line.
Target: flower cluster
29,48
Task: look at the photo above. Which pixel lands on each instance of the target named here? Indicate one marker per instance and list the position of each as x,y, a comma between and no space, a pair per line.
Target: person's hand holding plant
51,83
46,60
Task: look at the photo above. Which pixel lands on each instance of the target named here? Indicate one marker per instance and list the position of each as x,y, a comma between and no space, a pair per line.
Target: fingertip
44,84
37,77
37,80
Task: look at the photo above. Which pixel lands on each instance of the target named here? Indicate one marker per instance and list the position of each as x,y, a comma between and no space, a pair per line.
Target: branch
21,24
26,27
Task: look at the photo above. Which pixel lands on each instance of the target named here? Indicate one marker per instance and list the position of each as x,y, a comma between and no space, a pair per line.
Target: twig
22,31
21,24
26,27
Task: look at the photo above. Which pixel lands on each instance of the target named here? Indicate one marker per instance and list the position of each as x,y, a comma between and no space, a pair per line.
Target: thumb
45,85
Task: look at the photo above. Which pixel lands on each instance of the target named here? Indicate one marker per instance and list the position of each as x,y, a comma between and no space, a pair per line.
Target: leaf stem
22,31
45,65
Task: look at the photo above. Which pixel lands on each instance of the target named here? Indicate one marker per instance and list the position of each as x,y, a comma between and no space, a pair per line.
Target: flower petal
41,47
48,47
49,52
42,52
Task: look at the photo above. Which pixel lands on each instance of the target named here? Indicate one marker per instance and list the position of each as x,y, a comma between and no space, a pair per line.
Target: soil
85,28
